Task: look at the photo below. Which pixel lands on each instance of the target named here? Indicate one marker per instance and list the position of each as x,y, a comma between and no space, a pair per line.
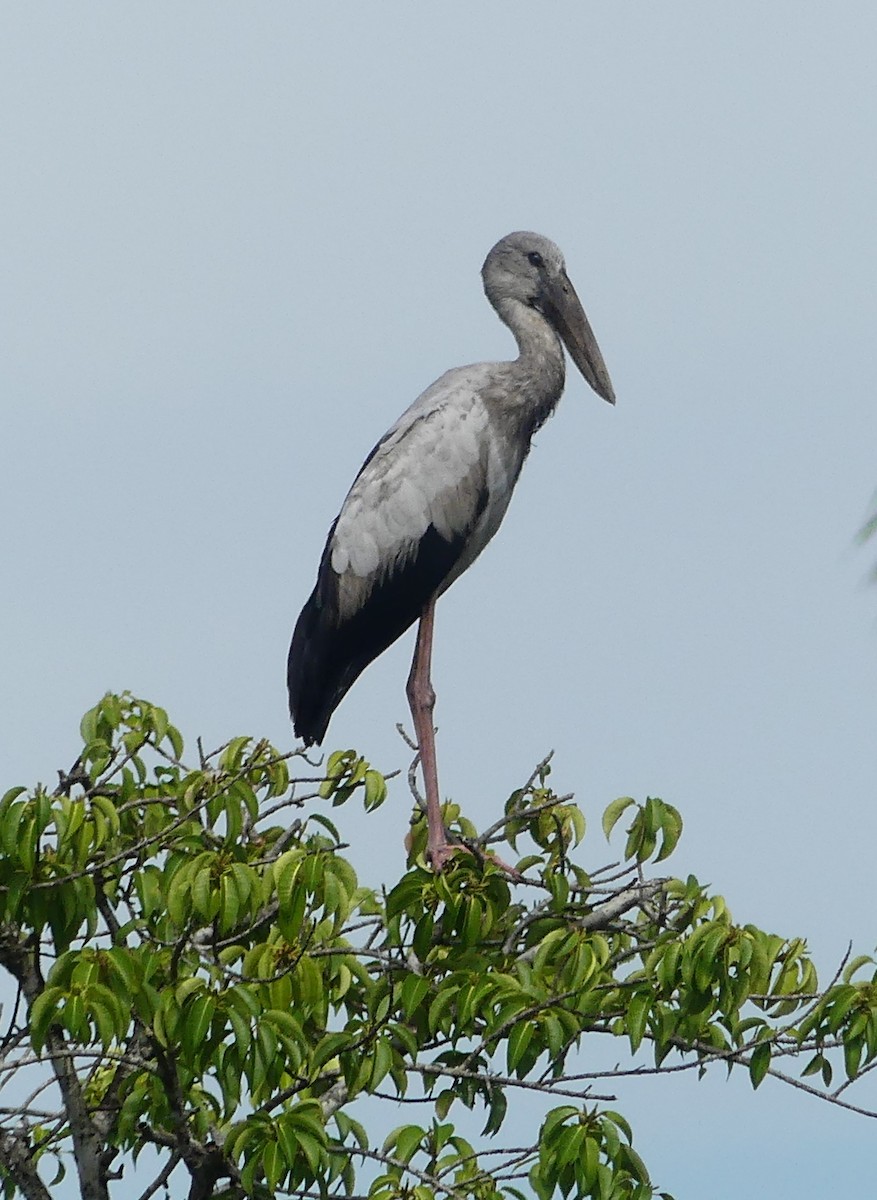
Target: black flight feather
329,653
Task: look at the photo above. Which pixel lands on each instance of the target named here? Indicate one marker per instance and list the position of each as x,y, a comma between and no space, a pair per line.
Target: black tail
311,703
327,656
329,653
319,669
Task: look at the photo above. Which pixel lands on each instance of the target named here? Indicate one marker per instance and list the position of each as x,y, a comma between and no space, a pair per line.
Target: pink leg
421,698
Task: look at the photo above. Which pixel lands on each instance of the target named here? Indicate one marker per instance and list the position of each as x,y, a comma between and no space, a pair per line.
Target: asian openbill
432,494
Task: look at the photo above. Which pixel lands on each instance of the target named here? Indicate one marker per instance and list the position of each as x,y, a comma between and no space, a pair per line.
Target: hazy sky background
239,240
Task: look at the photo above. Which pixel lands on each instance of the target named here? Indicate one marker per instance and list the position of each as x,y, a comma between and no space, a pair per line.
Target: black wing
328,653
402,532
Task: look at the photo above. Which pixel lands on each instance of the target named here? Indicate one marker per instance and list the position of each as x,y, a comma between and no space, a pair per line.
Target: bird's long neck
539,371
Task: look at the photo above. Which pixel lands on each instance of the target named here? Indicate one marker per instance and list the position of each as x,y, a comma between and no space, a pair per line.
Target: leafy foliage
200,972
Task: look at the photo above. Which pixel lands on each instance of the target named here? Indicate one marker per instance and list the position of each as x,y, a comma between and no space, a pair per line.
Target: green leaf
414,990
843,999
88,725
616,1119
857,964
423,934
197,1020
814,1065
405,1142
103,1020
634,1165
614,812
336,766
471,931
443,1001
9,831
273,1165
671,829
759,1063
179,900
381,1063
375,790
348,1126
313,1151
229,903
570,1144
497,1112
243,1034
287,1139
12,794
188,987
43,1014
637,1018
519,1041
205,897
853,1047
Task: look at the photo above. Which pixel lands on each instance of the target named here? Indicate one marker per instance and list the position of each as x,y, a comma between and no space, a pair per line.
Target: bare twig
163,1176
508,1081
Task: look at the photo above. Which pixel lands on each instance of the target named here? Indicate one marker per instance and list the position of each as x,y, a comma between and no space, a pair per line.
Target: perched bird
432,494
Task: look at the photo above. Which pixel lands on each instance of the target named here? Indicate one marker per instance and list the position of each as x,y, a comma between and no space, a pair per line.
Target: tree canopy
207,1001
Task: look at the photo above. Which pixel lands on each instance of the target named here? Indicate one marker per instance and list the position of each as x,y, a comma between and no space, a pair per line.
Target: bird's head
529,269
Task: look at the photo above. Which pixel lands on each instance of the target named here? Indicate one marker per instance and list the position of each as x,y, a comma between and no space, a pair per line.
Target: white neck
540,363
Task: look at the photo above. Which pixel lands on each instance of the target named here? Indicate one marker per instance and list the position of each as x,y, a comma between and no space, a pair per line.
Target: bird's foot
440,854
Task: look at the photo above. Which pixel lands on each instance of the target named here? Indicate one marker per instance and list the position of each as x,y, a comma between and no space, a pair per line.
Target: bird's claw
441,854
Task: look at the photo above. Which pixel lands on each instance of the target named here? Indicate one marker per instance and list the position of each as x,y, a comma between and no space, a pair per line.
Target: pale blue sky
239,240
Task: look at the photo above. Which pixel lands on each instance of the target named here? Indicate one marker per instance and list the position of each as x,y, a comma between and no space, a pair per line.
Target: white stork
432,494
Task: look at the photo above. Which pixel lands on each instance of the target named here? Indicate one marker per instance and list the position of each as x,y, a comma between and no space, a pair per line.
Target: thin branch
604,914
492,832
334,1098
860,1074
812,1091
164,1175
17,1159
509,1081
424,1177
38,1114
524,1015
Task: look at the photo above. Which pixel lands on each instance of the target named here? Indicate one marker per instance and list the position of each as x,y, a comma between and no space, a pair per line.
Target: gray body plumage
451,461
435,489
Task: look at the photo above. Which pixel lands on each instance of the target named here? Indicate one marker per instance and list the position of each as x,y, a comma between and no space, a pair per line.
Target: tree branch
604,914
88,1148
205,1161
18,1163
163,1176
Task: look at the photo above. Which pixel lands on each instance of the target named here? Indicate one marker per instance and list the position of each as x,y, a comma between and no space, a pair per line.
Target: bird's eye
536,258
